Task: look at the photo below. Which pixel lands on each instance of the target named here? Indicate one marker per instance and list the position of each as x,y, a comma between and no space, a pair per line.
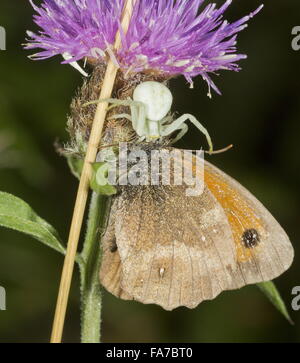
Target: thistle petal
170,37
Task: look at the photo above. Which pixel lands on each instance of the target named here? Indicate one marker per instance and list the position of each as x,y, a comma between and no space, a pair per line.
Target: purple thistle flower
170,37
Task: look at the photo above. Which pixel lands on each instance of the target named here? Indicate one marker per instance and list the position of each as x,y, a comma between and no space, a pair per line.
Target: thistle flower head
164,36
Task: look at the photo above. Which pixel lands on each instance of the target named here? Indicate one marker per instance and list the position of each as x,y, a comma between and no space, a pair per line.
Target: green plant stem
89,264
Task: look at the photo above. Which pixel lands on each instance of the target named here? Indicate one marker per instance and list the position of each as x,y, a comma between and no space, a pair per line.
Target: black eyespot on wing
251,238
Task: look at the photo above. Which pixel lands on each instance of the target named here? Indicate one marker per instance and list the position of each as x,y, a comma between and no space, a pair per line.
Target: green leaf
76,165
19,216
270,290
99,183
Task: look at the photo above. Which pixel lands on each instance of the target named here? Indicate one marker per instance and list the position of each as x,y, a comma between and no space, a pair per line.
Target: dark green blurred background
259,113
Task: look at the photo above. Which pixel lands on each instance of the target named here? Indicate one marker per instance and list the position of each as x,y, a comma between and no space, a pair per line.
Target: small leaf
270,290
99,182
18,215
75,165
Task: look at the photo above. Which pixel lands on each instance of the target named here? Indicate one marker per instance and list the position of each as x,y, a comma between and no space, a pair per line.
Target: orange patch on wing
241,216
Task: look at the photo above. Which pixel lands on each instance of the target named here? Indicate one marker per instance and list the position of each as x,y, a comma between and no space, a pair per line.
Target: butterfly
166,248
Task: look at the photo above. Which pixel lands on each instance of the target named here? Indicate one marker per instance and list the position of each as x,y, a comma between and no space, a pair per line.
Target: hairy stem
89,270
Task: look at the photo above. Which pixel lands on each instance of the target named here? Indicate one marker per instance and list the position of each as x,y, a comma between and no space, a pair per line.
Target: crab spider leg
138,112
177,123
115,102
161,123
120,115
139,118
128,103
153,130
134,116
184,129
109,100
165,120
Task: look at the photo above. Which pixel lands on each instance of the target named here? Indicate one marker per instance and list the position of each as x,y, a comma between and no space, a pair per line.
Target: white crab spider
150,117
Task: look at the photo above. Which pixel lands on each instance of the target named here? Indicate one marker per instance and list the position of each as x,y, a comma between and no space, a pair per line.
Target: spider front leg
114,101
137,117
121,116
145,128
176,125
184,129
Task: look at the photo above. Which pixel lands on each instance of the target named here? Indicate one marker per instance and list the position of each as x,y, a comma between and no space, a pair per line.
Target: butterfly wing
174,250
262,248
167,248
110,272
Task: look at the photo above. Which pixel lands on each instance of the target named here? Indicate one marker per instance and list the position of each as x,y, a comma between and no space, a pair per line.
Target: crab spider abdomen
156,97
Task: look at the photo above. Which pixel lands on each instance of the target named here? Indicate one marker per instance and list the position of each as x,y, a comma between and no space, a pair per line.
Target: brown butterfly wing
258,259
110,272
175,250
170,256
